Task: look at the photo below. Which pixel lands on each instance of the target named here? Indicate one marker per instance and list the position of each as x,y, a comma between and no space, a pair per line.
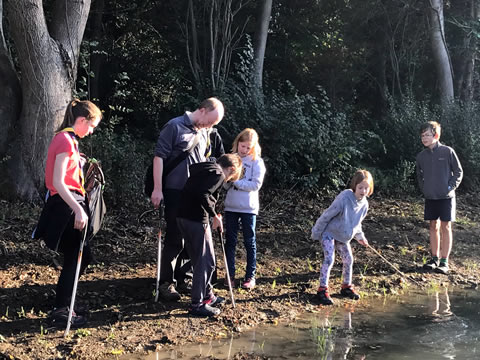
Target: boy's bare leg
435,237
446,239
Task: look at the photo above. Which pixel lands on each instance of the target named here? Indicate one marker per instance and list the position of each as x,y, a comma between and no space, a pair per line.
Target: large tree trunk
10,92
464,88
260,40
440,52
47,58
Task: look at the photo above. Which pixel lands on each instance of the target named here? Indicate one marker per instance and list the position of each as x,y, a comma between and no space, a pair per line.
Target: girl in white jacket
242,204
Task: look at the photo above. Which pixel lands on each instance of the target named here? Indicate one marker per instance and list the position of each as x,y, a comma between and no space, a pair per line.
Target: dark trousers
69,246
232,220
199,243
175,266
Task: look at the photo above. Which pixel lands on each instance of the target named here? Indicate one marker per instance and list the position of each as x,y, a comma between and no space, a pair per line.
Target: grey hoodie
242,195
343,219
439,172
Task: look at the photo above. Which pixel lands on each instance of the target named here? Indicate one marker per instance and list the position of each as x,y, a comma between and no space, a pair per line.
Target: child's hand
217,223
364,242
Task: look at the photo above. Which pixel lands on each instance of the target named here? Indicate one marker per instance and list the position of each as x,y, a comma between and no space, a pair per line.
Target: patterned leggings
328,244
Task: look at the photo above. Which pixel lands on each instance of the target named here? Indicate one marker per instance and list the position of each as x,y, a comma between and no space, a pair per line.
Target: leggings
328,244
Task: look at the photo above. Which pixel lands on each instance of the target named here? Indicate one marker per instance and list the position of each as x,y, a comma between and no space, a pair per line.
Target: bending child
242,205
337,226
197,206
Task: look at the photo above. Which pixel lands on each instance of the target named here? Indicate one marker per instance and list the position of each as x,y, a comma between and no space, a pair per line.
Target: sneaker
184,287
431,265
204,310
348,291
324,297
81,309
442,268
232,283
215,301
248,284
59,318
168,292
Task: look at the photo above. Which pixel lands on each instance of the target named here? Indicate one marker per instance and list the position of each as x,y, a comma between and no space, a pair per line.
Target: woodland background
330,85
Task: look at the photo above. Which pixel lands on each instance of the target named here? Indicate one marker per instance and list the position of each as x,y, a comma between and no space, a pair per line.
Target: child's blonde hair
358,177
248,135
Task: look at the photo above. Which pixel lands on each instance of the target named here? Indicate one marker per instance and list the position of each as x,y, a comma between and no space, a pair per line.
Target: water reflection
441,304
335,342
437,325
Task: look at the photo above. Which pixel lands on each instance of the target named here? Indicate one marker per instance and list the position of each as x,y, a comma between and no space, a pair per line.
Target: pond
438,324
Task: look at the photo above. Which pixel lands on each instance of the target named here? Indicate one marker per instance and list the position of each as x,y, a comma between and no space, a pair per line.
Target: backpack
94,185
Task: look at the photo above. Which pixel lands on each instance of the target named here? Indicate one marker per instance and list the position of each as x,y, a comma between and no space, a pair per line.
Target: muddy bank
119,287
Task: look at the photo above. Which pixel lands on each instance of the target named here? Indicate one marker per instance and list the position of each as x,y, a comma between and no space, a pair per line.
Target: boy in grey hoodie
337,226
439,173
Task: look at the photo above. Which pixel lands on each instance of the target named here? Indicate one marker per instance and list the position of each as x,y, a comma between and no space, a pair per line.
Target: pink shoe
248,284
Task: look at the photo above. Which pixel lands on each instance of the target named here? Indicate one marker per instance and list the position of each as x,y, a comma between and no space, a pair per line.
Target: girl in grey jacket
337,226
242,204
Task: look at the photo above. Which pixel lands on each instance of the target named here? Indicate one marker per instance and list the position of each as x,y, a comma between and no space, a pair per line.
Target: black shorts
443,209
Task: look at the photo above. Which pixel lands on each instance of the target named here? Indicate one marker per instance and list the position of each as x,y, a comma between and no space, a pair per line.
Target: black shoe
168,292
350,293
184,287
82,310
204,310
59,318
324,297
442,268
431,265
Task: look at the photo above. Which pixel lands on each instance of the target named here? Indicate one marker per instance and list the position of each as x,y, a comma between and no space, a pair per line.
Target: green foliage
461,130
304,141
124,158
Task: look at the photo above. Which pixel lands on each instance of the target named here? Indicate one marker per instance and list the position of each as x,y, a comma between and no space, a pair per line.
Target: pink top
63,142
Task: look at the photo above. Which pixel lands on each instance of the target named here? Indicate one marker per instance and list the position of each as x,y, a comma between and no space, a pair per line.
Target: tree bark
264,12
48,60
10,92
440,51
466,64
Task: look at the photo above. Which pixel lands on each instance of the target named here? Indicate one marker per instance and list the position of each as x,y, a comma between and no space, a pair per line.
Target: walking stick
393,266
220,234
75,283
159,252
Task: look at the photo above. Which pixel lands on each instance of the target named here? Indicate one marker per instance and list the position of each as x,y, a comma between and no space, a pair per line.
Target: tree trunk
48,63
466,64
260,40
440,52
96,58
10,92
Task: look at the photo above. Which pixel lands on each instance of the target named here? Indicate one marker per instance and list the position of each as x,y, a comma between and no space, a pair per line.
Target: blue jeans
232,220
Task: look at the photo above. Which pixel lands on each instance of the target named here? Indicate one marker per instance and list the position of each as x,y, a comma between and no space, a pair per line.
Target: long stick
159,252
389,263
75,283
159,261
220,234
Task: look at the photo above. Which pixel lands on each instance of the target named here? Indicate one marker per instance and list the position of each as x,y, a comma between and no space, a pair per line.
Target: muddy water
440,324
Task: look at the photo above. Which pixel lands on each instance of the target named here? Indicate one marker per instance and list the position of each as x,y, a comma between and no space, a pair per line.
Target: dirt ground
119,287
